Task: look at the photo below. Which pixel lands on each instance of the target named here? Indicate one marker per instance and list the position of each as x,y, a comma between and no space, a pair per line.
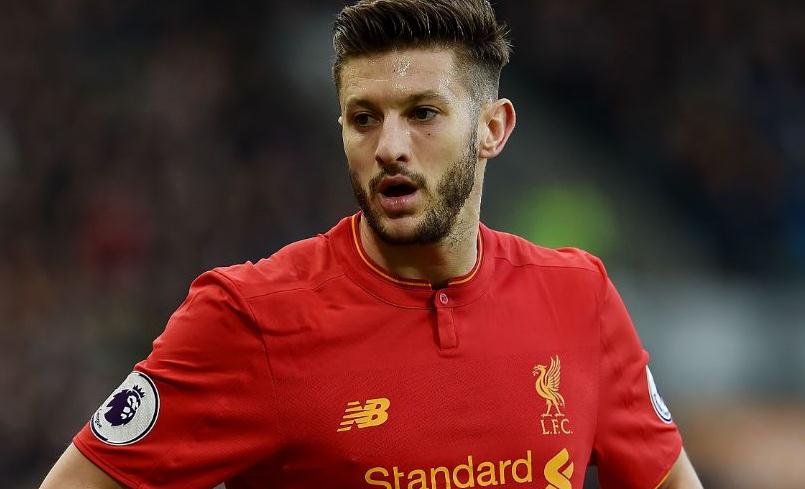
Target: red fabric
257,367
626,449
207,366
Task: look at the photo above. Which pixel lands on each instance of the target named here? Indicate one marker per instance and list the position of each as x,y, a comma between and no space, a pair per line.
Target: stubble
444,206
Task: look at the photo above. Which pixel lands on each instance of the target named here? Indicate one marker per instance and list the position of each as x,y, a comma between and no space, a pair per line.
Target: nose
394,143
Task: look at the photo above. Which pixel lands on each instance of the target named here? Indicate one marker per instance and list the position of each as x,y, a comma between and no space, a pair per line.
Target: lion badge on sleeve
129,413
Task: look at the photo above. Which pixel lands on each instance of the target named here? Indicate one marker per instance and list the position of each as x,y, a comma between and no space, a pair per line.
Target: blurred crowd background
142,143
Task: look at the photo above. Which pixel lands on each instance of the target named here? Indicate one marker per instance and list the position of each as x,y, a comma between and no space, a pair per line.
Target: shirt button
443,298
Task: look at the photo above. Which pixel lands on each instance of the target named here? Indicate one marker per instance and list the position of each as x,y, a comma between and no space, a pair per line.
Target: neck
453,256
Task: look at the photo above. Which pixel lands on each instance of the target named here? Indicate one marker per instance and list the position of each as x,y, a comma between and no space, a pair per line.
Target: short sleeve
200,408
636,441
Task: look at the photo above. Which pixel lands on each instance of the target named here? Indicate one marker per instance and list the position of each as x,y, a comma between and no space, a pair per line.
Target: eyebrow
412,99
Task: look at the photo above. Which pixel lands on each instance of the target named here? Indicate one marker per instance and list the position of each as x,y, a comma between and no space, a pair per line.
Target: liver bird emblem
547,386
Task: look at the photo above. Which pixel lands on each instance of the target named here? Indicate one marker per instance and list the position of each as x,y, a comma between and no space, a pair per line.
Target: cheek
438,149
360,156
359,173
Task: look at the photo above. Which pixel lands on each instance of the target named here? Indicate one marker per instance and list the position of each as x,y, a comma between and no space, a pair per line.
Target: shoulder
304,264
559,272
519,252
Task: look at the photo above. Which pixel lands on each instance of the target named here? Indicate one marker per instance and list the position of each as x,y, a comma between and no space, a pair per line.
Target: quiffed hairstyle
469,27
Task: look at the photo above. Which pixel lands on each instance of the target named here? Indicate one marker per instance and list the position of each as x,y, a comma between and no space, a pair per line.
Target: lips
397,195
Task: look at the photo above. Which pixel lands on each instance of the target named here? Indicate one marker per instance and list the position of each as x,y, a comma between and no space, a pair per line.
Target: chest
374,397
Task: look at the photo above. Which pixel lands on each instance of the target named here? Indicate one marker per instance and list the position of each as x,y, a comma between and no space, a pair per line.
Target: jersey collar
405,292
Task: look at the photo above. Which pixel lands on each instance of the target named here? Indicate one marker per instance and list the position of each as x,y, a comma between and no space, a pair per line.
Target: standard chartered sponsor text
461,476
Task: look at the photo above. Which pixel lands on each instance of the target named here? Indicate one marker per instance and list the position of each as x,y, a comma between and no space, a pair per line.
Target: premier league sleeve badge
656,400
129,413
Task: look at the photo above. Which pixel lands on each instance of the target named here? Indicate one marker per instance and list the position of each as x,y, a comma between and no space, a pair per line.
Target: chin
398,230
413,230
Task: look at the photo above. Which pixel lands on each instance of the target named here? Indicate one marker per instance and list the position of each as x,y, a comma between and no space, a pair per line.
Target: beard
442,208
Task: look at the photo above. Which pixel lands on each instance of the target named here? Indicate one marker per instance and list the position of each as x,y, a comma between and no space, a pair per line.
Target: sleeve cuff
670,467
112,472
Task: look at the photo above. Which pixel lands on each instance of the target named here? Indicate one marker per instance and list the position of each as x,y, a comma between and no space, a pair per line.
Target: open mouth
398,190
396,186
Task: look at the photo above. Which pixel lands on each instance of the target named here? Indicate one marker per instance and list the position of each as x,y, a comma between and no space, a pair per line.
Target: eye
423,114
363,119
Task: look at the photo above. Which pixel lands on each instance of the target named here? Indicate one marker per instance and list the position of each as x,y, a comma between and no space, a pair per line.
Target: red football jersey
316,368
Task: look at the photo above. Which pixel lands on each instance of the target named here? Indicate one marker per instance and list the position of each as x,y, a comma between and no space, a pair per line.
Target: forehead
399,74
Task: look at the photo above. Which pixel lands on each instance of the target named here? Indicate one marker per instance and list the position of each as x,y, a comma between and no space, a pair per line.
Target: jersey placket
446,327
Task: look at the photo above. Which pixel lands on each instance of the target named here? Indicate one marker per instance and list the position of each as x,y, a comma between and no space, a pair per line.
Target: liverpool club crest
553,420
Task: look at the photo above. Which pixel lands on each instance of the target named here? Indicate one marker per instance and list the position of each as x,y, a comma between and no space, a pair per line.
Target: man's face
409,127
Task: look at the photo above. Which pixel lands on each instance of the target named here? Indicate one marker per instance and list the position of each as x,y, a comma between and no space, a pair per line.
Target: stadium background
142,143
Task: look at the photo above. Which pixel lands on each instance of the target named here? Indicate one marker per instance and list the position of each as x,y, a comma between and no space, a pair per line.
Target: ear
498,119
341,120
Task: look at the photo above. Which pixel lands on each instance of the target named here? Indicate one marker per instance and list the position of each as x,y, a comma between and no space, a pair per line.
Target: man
410,346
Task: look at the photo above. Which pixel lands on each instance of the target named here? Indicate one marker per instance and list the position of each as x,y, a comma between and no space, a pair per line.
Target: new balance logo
373,413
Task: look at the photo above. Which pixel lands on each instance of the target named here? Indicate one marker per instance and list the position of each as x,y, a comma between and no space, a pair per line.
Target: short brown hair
467,26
